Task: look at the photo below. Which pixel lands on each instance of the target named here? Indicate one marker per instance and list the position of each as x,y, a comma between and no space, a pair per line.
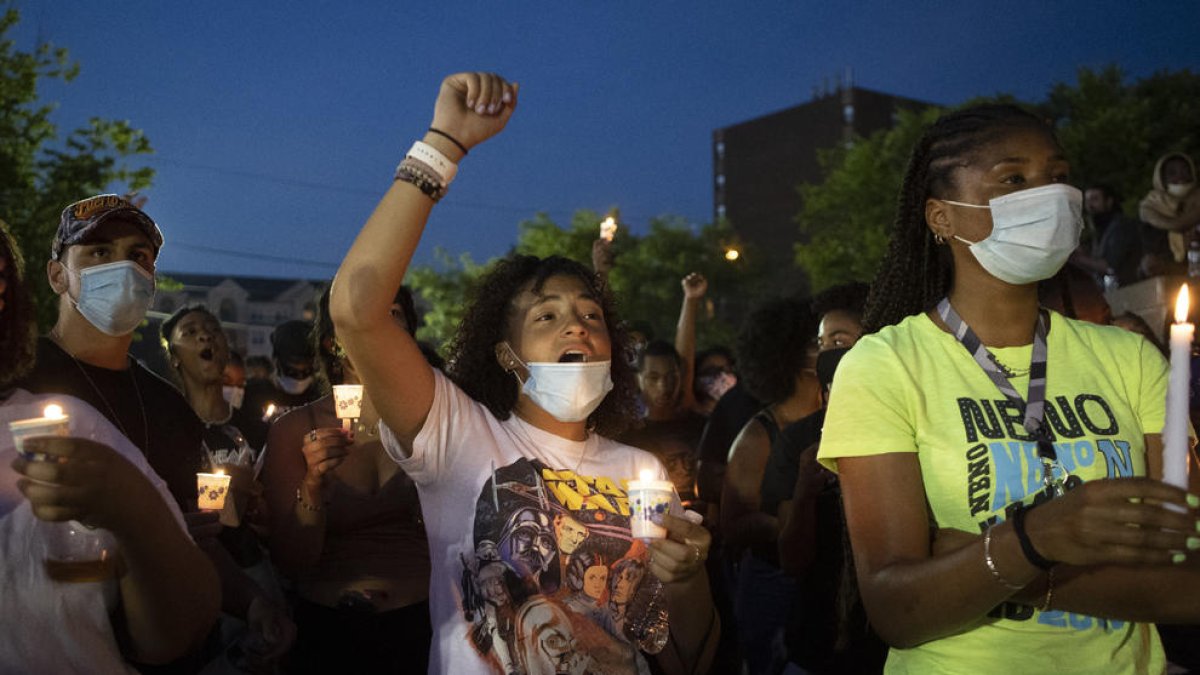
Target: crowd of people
954,468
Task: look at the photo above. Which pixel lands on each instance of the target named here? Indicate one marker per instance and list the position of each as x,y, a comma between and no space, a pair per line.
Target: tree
645,279
41,172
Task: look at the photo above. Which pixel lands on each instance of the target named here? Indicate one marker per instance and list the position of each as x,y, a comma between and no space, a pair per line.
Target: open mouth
573,357
206,354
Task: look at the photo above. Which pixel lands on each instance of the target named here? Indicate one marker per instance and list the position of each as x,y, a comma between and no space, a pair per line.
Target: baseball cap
290,340
83,217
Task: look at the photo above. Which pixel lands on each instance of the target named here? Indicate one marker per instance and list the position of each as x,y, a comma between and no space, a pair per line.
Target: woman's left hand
682,554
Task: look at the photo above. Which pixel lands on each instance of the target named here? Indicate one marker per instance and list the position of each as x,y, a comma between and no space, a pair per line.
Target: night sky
277,125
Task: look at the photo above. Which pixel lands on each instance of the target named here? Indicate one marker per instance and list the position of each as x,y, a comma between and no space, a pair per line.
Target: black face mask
827,363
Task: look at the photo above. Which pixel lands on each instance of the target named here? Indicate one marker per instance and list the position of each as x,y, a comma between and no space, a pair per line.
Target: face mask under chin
569,392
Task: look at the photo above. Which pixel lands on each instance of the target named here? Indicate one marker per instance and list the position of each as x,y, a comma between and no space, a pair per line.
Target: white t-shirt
47,626
533,566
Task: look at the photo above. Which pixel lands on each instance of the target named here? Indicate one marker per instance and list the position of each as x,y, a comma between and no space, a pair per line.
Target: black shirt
783,464
252,418
148,410
731,413
676,443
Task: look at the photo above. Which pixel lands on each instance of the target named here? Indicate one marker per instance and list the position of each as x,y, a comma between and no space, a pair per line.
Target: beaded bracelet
304,503
422,177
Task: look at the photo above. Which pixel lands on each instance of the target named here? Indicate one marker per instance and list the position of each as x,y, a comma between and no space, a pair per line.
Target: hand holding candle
52,423
1175,431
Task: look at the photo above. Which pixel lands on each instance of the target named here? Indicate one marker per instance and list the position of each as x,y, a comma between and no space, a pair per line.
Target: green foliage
40,171
645,278
1112,131
443,289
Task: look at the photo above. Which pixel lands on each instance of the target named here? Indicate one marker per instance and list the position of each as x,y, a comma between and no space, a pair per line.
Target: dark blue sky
277,125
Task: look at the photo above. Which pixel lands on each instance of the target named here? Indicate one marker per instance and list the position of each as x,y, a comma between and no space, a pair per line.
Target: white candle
1175,431
54,422
211,489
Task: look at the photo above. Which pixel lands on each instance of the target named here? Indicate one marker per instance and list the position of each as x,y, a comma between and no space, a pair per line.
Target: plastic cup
211,489
347,402
647,498
38,426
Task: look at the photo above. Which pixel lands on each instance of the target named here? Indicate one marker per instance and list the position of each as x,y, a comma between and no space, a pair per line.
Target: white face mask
233,395
568,391
1180,189
114,297
293,386
1034,231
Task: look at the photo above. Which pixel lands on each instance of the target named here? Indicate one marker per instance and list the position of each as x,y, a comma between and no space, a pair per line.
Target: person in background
777,357
827,630
714,377
500,447
160,603
233,380
1116,250
1172,207
347,527
198,353
258,368
291,383
1075,294
1004,547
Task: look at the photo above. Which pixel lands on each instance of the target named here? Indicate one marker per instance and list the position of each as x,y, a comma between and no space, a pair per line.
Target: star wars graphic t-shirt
912,388
534,570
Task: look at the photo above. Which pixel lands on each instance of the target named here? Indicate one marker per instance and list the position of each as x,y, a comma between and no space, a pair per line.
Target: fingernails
1178,558
507,98
656,518
1193,543
480,109
1193,501
470,103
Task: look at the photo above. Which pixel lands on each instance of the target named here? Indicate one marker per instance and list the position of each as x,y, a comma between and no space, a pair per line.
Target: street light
732,254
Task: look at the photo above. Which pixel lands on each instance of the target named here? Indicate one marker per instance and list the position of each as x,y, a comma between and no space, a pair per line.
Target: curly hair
773,346
18,329
472,360
916,272
848,297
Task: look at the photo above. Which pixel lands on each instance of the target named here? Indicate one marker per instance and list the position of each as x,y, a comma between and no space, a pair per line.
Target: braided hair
917,272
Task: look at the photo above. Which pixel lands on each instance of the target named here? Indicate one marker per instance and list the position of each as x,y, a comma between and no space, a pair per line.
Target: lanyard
1034,410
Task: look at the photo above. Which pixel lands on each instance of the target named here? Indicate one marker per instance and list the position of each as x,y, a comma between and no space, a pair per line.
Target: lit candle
347,402
211,489
1175,431
53,422
648,496
269,412
608,228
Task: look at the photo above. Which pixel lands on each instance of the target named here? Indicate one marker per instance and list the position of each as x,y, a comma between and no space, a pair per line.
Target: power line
255,256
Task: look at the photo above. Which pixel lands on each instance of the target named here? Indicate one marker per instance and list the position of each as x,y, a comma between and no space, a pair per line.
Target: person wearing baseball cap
102,264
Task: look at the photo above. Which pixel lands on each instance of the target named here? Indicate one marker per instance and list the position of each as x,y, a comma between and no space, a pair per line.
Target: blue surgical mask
114,297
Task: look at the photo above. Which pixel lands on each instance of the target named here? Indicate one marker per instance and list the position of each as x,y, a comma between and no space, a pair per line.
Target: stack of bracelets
427,169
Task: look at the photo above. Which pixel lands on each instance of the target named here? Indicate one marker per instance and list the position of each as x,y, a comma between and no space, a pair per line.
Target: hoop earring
941,241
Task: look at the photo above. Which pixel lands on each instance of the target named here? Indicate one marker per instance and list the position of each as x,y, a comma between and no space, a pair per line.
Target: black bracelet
450,138
1031,554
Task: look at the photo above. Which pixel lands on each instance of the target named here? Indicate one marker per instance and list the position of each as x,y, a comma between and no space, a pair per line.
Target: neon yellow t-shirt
913,388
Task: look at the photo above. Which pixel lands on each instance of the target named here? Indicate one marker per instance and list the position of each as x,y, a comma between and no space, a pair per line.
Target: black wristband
450,138
1031,554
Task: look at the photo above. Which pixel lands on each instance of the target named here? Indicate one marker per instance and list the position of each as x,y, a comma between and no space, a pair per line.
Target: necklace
141,404
217,423
1008,371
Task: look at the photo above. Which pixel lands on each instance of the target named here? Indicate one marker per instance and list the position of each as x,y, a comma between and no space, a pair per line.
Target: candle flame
220,472
645,475
1182,305
732,254
53,411
270,410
